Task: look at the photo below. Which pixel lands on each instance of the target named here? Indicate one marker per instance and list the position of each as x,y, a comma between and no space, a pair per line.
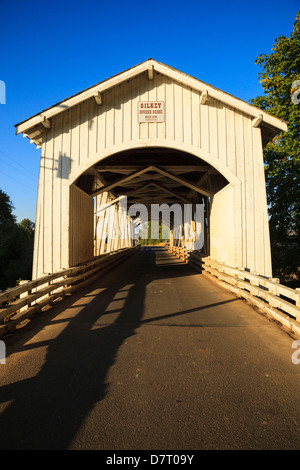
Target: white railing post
28,292
298,297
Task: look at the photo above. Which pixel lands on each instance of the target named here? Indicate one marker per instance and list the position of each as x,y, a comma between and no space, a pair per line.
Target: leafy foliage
280,71
150,240
16,245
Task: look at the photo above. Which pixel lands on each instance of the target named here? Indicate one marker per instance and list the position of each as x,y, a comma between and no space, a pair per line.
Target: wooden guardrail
280,302
21,302
180,252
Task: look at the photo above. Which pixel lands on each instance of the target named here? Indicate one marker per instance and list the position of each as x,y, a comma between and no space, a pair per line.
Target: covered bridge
197,145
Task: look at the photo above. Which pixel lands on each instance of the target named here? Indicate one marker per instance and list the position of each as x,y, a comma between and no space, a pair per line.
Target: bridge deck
152,356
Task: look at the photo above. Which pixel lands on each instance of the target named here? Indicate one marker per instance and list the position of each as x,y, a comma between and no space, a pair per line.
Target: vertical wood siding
81,226
78,137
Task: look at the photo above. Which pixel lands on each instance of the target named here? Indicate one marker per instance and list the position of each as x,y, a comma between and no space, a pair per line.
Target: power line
19,182
26,169
16,169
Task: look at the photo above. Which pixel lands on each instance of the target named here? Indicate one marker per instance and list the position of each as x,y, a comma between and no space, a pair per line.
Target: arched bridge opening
166,186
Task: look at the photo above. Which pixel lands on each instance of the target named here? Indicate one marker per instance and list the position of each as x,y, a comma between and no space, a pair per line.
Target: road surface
152,356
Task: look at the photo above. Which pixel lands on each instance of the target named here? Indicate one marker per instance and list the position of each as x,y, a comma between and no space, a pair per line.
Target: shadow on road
46,409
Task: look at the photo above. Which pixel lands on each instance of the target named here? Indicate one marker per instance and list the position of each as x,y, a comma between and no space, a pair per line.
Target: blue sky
52,50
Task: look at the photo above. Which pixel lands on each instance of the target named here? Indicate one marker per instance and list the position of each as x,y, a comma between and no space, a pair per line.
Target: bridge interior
155,176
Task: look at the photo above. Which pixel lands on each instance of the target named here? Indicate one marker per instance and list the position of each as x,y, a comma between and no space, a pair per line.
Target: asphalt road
151,356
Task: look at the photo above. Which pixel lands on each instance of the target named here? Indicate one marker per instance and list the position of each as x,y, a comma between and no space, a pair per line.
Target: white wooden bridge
204,147
154,135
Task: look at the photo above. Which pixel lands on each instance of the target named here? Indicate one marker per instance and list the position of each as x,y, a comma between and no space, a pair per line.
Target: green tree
28,227
150,240
16,245
280,71
6,208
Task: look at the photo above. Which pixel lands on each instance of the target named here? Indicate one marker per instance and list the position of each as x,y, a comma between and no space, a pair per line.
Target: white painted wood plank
134,109
38,255
48,204
57,192
66,169
111,227
262,236
221,116
170,111
105,226
81,226
195,119
213,128
115,241
187,115
127,111
230,140
178,114
143,96
118,116
239,143
75,137
92,129
101,122
84,128
250,194
161,96
152,126
110,118
204,122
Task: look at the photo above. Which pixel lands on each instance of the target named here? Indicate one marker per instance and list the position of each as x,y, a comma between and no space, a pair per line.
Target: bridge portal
154,135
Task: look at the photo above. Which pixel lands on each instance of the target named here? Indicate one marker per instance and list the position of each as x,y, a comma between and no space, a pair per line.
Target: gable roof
33,127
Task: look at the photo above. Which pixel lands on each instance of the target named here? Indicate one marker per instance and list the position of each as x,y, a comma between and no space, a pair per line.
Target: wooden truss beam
173,193
98,98
129,168
182,181
256,121
150,71
160,170
139,189
200,182
204,97
120,181
46,123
